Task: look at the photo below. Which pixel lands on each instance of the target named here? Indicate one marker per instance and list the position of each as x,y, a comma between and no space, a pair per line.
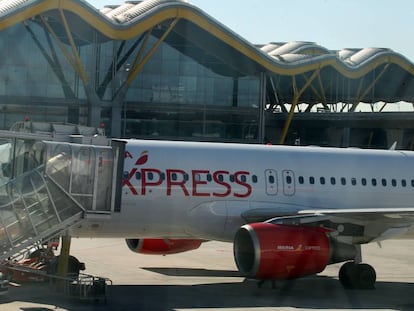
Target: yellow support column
63,261
296,95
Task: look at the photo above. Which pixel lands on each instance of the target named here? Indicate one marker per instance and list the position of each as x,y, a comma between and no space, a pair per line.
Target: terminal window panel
37,75
195,124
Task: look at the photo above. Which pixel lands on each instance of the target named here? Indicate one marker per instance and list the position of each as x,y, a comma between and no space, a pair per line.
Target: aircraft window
231,178
174,176
393,182
353,181
220,177
243,178
150,176
126,175
403,183
384,182
254,178
301,180
271,179
209,177
374,182
311,180
333,181
185,177
322,180
288,180
363,181
343,181
412,182
162,176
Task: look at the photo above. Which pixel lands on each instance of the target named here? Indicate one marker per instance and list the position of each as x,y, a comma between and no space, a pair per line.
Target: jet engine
162,246
270,251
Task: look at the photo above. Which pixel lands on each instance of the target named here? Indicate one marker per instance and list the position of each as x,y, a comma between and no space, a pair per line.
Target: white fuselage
201,190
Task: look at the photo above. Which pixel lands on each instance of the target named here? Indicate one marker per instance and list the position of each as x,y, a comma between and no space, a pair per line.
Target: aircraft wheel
345,274
365,276
357,276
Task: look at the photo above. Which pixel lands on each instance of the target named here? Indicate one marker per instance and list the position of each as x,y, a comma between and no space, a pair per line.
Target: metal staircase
33,208
48,186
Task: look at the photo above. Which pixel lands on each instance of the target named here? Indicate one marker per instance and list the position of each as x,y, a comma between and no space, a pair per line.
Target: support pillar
63,261
346,137
94,115
94,106
262,120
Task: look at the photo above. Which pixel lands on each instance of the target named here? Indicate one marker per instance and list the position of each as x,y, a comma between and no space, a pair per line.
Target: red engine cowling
162,246
270,251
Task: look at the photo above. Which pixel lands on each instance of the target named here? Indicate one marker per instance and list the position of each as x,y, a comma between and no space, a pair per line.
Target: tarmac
207,279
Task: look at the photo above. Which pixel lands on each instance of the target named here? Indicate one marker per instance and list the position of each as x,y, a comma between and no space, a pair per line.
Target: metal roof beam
369,88
296,97
77,61
51,59
139,64
58,41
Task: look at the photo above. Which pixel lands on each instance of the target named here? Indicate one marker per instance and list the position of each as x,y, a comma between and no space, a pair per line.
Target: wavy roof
391,72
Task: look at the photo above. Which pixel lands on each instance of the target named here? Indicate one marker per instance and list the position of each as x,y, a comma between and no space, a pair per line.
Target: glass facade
173,97
36,79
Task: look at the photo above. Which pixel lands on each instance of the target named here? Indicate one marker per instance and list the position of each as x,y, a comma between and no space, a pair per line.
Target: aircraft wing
366,214
348,225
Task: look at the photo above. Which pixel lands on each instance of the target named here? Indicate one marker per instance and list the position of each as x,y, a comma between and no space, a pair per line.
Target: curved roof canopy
305,67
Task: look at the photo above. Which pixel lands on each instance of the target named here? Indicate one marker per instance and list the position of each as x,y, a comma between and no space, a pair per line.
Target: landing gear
357,276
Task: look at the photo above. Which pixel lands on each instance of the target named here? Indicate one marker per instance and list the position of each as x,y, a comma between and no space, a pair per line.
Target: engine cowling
162,246
271,251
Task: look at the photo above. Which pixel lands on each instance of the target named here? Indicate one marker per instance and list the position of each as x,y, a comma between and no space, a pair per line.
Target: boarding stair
48,186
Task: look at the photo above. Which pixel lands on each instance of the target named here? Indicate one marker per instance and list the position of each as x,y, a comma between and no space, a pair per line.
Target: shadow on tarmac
317,292
191,272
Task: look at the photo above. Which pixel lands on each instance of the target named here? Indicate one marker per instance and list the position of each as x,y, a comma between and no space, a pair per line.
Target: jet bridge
48,186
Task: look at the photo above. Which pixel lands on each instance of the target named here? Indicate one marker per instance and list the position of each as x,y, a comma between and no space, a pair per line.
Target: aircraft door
288,182
271,182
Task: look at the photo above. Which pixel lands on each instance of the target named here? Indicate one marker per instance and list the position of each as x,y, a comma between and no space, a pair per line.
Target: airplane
288,210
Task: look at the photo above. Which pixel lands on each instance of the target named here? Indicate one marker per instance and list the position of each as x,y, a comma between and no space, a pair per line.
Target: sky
334,24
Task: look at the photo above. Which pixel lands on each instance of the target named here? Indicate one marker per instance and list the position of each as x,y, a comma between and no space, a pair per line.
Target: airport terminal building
164,69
